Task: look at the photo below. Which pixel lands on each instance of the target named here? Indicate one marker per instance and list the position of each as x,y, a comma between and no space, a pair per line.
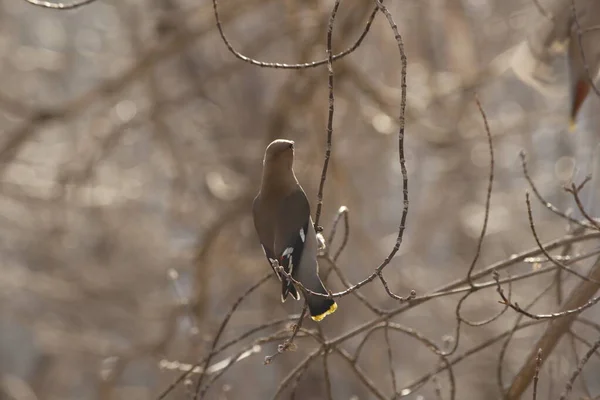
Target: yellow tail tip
326,313
572,126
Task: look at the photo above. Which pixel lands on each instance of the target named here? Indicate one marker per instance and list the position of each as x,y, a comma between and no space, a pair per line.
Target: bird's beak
580,91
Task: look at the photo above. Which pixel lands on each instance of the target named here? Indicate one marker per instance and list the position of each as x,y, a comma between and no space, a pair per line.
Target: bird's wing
291,230
534,60
265,235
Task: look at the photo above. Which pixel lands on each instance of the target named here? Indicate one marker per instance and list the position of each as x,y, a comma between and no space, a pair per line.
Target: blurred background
131,145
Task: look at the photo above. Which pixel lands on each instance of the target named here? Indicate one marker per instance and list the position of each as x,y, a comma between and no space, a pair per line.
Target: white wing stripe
287,252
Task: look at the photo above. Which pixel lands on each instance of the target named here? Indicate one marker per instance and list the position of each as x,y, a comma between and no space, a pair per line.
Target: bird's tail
318,306
580,91
287,287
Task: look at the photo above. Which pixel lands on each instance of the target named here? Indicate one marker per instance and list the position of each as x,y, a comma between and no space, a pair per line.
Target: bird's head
280,153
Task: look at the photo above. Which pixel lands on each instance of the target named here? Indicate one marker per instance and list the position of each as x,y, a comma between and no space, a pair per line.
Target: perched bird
557,33
282,220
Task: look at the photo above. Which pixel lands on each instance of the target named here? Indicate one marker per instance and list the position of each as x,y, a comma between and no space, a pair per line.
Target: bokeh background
131,143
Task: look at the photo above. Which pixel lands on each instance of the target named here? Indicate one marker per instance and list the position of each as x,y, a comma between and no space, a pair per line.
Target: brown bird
282,220
554,34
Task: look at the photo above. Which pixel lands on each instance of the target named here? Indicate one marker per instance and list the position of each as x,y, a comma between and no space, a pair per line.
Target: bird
555,32
281,213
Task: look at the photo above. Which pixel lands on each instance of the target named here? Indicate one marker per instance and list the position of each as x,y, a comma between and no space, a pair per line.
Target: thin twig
234,307
390,359
488,195
401,157
584,360
541,199
289,343
511,333
580,296
574,190
311,64
60,6
330,110
538,365
544,251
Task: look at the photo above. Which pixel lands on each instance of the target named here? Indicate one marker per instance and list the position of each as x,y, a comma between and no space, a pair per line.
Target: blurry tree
131,141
